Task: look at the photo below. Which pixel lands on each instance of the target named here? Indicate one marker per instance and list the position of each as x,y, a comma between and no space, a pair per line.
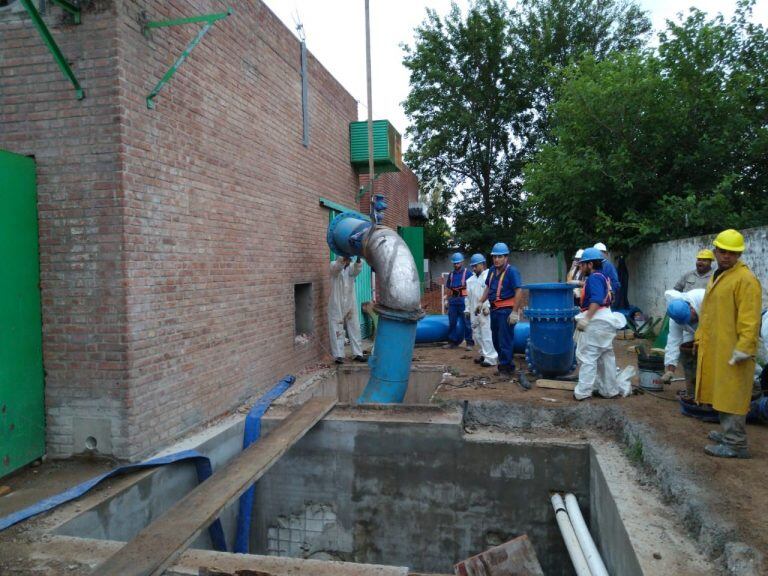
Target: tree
479,95
655,145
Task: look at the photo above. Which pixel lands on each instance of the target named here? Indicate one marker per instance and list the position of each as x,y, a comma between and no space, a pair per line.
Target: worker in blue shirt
609,271
598,325
503,290
458,328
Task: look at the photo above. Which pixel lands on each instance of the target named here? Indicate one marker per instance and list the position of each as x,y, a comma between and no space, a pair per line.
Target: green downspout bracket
208,19
39,23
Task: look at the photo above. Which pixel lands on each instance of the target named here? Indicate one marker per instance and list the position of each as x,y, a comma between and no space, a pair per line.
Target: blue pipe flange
351,227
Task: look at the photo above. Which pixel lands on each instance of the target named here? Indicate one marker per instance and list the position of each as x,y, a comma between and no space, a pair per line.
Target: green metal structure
387,153
413,236
42,29
208,19
363,282
22,415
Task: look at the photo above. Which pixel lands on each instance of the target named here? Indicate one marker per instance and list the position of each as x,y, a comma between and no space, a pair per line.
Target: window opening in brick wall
303,312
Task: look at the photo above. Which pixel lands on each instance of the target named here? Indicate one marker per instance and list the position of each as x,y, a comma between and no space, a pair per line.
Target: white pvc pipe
569,536
591,553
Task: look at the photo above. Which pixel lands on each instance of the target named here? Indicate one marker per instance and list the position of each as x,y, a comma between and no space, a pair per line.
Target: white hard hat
579,252
600,246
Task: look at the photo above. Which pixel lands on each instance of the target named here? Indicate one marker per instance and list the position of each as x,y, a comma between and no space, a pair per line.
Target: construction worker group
484,306
715,328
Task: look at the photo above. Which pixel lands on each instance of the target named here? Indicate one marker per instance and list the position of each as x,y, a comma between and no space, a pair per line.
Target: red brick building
172,239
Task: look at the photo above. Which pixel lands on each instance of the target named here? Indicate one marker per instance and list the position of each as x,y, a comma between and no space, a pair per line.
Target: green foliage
481,84
651,145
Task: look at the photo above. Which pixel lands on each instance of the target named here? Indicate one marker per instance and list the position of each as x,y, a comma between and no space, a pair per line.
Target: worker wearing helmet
683,309
594,349
609,271
574,277
456,285
727,342
503,291
342,309
698,278
479,315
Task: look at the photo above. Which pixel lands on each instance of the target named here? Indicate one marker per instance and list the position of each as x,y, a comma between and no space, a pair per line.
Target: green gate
22,416
413,236
363,284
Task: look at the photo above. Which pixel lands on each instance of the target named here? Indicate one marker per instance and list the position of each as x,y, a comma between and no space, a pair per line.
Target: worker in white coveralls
597,327
342,309
479,315
683,309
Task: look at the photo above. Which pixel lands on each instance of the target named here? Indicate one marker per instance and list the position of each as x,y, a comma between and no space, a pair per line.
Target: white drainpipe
596,565
571,542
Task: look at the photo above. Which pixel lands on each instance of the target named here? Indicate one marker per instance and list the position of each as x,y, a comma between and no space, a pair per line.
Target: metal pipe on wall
398,301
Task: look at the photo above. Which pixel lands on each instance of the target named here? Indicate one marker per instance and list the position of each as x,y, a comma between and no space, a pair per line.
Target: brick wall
171,238
400,188
80,194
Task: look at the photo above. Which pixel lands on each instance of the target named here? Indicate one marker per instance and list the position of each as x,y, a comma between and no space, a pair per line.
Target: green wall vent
387,153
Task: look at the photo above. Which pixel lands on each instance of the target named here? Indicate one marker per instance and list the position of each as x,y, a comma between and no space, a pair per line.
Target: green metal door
363,286
22,416
413,236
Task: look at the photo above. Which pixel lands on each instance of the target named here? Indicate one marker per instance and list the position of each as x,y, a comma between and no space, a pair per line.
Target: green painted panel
22,416
414,238
387,153
363,286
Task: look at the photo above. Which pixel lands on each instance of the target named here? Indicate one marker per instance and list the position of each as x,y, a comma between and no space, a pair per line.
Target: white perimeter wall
657,268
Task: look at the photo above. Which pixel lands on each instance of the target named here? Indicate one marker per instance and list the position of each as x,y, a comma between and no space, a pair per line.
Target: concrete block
514,557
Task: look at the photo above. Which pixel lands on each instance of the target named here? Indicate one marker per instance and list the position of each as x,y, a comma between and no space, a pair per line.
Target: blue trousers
503,336
458,329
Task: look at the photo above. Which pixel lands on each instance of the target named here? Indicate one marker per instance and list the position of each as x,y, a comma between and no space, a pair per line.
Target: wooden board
158,545
514,557
555,384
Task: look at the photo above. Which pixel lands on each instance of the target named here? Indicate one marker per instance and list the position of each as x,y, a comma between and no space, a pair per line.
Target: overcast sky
335,32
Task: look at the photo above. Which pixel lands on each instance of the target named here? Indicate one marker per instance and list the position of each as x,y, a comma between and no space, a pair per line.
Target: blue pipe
204,471
250,435
398,301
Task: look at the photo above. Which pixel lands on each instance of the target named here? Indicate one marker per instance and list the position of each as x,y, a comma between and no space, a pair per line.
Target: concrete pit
405,486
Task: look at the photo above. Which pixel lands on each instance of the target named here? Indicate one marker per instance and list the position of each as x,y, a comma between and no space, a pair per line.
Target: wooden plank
514,557
555,384
158,545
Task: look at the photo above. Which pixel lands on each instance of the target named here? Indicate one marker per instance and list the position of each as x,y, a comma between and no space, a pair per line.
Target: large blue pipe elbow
398,301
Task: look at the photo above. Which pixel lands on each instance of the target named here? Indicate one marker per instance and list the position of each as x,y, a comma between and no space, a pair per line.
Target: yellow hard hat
730,240
705,254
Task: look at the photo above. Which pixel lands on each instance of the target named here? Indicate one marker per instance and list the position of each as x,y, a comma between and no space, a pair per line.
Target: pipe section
569,536
594,560
398,301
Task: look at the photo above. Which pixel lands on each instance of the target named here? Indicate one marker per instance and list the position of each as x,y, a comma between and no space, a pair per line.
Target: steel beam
209,20
39,23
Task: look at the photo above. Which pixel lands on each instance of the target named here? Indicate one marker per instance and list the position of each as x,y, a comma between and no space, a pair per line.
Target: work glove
582,324
513,318
466,314
477,310
486,311
738,357
666,378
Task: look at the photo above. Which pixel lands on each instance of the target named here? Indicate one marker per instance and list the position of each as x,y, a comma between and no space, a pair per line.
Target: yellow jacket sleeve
748,298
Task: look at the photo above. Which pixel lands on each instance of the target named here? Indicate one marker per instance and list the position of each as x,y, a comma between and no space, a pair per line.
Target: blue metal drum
551,350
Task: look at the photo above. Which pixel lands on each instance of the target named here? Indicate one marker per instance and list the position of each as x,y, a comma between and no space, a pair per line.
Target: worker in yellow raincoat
727,342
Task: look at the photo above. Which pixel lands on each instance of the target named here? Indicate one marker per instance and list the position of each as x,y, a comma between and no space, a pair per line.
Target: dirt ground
738,488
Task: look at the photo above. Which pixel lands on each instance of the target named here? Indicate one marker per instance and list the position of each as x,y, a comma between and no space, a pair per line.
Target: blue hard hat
591,255
476,259
457,258
679,311
500,249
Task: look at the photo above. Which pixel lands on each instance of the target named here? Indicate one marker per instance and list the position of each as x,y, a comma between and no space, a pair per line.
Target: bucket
650,379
